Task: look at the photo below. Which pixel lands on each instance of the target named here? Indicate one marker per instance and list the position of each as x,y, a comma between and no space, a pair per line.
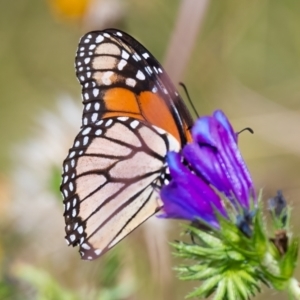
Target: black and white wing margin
110,180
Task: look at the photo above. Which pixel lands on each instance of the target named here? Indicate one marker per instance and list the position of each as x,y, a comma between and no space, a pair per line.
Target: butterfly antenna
189,98
246,129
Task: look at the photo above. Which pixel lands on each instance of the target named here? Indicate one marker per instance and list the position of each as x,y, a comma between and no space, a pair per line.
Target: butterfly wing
132,117
120,77
110,181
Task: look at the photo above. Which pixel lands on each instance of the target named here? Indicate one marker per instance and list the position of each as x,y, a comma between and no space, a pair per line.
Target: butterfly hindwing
110,181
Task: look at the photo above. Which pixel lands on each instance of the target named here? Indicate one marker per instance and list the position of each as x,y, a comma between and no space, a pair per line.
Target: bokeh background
238,55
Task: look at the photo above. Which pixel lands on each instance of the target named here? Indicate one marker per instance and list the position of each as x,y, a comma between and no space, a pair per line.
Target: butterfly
132,117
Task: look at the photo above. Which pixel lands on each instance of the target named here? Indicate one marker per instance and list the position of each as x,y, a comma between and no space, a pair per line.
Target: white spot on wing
148,70
98,251
136,57
86,130
109,122
145,55
71,187
72,154
99,38
94,117
98,132
130,82
154,89
125,54
95,92
85,140
140,75
86,246
123,119
122,64
134,124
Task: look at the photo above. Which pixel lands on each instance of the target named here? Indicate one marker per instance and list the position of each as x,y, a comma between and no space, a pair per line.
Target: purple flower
207,167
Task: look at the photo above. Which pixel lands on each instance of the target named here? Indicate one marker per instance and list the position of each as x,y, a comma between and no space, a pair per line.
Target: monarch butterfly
132,117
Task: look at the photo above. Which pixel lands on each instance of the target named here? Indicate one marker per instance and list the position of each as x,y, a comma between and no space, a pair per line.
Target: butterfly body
132,117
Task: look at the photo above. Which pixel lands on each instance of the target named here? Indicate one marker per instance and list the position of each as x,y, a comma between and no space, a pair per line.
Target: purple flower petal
188,196
215,155
214,163
221,117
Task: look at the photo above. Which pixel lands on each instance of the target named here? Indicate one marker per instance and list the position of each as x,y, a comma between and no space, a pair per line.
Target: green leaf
203,274
221,290
289,260
231,290
234,255
207,237
241,286
259,237
207,288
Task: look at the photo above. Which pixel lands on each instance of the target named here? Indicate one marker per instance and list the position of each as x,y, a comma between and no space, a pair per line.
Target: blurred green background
245,60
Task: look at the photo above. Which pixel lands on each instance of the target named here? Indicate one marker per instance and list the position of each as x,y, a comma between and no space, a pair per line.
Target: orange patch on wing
188,134
147,106
156,111
121,100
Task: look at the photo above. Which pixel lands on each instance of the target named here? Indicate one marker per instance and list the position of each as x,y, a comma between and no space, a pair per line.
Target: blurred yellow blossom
92,14
69,8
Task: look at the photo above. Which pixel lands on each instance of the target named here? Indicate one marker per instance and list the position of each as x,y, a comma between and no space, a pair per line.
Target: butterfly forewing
120,77
110,181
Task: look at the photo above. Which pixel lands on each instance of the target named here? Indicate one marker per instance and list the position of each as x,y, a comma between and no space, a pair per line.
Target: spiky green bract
231,265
